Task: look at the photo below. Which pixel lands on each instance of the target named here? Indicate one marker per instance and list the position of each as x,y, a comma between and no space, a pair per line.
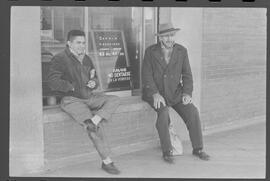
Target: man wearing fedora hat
167,82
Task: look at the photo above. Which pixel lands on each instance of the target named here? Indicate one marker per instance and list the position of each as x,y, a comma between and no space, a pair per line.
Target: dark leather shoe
201,154
91,126
110,168
168,157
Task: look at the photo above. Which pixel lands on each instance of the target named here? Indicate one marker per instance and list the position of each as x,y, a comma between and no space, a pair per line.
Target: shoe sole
114,173
207,159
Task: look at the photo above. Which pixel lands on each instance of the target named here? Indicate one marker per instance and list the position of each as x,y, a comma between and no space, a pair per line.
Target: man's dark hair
73,33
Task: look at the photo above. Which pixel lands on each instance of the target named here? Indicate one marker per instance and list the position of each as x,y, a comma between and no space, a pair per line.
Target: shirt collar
70,52
73,52
164,48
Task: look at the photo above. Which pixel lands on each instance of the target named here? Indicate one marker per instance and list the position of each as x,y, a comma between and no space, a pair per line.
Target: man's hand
91,84
92,73
186,99
157,100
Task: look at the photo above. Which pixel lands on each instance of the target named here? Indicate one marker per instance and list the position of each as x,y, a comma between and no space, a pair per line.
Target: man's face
168,40
77,44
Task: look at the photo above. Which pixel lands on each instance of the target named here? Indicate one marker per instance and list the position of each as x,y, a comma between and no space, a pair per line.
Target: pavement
238,153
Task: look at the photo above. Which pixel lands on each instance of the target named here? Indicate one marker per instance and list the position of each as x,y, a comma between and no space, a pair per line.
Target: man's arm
187,77
149,84
93,83
55,82
147,75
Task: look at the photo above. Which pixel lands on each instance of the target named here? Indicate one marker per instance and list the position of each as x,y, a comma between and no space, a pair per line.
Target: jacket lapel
72,61
174,57
159,57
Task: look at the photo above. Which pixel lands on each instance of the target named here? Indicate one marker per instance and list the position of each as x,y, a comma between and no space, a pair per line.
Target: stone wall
233,65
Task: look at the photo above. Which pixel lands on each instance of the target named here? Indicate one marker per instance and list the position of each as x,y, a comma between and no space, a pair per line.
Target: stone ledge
128,104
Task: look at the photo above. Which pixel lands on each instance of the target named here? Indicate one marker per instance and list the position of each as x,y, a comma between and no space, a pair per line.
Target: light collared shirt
167,52
79,57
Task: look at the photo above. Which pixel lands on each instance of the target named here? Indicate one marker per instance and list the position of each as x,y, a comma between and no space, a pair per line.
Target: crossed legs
80,110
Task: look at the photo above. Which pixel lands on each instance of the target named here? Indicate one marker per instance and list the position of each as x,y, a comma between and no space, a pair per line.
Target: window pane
121,28
56,22
150,26
116,39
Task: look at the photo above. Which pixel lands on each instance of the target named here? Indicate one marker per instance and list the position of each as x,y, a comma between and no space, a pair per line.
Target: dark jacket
66,73
170,80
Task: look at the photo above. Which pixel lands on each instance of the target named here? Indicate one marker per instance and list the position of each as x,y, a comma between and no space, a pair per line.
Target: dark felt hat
166,28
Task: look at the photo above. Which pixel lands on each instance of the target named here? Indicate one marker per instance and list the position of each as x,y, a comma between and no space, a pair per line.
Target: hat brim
167,32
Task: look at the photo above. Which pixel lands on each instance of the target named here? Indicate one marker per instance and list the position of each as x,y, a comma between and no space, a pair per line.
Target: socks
96,119
107,161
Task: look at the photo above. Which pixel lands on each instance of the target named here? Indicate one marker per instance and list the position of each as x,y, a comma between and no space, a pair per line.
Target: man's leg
99,142
162,125
190,115
105,105
79,111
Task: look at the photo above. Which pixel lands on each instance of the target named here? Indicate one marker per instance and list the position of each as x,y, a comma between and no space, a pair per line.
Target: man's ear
68,43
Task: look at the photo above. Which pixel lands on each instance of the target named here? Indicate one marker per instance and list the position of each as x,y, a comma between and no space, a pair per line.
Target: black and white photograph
137,92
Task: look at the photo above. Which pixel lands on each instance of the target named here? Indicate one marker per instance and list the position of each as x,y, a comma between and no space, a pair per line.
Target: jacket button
165,75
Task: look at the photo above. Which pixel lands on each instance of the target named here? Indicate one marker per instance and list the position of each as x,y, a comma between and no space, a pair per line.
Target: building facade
227,52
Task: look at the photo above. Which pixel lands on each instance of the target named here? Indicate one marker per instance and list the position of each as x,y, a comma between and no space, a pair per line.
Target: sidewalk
237,153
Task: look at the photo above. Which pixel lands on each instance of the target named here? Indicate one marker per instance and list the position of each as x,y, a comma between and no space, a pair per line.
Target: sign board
111,60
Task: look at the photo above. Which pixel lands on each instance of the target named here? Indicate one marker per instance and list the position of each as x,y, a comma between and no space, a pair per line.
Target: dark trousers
189,114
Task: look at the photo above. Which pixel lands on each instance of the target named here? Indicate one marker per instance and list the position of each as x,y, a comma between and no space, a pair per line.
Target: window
116,39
